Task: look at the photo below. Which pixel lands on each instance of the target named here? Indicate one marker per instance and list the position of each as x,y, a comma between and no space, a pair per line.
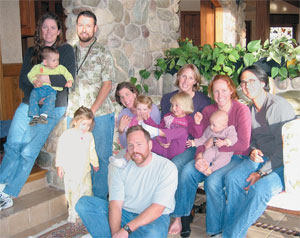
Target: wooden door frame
211,22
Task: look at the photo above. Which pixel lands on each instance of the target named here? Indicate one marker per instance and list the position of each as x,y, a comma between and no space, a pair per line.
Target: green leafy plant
141,87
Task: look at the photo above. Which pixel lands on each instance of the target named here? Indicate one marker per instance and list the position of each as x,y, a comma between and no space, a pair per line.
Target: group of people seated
234,148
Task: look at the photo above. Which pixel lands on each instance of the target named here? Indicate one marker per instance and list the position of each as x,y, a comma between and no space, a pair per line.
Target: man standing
141,196
95,75
253,182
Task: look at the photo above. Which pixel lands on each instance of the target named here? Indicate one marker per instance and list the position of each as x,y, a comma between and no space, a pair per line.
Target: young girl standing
173,131
75,152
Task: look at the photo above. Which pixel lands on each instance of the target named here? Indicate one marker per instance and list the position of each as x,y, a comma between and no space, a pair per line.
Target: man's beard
85,39
141,155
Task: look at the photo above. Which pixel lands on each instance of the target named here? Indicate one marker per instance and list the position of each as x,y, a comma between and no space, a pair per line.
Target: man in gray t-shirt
141,196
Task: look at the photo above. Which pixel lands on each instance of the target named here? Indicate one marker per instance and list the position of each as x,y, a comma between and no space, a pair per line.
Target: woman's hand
165,145
209,143
37,83
43,78
198,118
124,122
190,143
96,169
256,156
60,172
253,178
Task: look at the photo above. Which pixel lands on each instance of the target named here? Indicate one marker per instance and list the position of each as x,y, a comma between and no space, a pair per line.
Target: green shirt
95,67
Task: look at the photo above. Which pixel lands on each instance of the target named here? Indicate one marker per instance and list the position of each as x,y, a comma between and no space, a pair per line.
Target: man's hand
43,78
253,178
120,234
198,117
256,156
60,172
124,122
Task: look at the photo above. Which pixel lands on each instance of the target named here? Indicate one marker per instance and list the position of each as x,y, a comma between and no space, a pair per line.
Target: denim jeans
186,190
49,103
22,147
216,198
93,212
103,133
244,208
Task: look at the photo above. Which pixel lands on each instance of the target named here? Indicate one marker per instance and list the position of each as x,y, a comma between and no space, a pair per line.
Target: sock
153,131
118,162
2,186
44,115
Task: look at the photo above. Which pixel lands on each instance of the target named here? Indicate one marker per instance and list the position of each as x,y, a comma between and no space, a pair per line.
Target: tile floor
289,222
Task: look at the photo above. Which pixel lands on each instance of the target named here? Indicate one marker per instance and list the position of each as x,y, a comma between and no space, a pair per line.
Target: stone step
35,181
31,210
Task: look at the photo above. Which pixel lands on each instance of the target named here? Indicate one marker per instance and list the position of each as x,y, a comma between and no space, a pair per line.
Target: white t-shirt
139,187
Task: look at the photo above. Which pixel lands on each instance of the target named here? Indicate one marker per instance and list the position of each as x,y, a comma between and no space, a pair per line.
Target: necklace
86,55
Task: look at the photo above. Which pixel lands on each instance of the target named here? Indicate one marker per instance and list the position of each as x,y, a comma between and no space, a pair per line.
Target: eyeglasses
250,82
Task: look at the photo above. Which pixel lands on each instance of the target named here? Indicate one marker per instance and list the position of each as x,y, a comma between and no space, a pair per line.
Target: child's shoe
153,131
34,121
118,162
43,120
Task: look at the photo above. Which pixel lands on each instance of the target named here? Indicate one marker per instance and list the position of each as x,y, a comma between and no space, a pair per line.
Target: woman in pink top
223,91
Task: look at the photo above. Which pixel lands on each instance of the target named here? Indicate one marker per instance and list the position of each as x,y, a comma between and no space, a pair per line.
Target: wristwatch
127,228
261,173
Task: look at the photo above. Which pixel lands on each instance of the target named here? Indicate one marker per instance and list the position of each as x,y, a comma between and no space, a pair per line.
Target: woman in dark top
24,142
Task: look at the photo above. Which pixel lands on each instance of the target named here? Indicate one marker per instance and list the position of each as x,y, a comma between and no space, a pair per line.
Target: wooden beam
219,24
207,22
262,20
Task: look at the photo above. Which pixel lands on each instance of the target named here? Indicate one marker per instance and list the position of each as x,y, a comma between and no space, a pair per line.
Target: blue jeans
103,133
187,189
182,159
49,103
22,147
93,212
216,198
244,208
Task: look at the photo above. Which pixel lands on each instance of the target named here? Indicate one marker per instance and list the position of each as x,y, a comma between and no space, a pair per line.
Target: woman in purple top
125,96
222,89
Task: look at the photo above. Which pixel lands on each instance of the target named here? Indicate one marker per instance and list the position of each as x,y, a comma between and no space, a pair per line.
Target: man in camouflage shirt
95,76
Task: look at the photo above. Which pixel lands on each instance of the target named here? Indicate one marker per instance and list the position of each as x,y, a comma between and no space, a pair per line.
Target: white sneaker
72,219
3,195
6,202
153,131
118,162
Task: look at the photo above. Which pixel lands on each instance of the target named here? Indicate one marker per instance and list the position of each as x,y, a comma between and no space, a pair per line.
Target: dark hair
83,113
127,85
87,13
39,42
138,128
229,82
260,74
196,75
47,50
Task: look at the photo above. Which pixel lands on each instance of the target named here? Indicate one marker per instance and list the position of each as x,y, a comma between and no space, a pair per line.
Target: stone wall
136,31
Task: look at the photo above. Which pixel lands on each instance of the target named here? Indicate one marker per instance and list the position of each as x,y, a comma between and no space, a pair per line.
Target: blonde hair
83,113
184,100
142,99
197,76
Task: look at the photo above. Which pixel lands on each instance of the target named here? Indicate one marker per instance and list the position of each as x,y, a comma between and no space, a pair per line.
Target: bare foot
176,226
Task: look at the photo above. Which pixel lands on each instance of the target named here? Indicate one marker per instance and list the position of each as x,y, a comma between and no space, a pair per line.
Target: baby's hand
219,143
208,171
60,172
190,143
69,84
198,118
96,169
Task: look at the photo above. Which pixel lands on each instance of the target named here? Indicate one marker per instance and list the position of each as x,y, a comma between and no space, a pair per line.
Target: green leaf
133,80
172,64
221,59
217,68
221,45
228,70
232,58
274,72
157,74
254,46
216,53
162,64
139,88
249,59
181,61
146,88
144,73
283,72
